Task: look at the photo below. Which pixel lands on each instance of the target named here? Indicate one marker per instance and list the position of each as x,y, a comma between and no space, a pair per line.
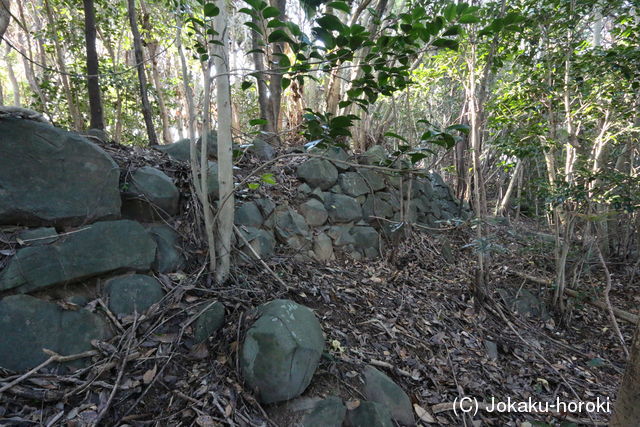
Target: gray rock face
341,235
289,223
373,179
209,322
169,256
49,176
342,208
262,241
353,184
375,155
281,351
380,388
100,248
38,236
262,149
375,206
366,239
133,293
329,412
336,153
314,212
28,324
181,150
151,195
370,414
249,214
318,173
322,247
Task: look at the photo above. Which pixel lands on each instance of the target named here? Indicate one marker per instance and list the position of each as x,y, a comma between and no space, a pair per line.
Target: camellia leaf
246,85
395,135
211,10
255,122
340,5
270,12
469,19
446,43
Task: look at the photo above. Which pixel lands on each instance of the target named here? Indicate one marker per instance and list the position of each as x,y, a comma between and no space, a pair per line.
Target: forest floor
410,313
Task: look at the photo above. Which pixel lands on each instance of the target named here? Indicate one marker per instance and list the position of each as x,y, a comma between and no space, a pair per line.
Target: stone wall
72,220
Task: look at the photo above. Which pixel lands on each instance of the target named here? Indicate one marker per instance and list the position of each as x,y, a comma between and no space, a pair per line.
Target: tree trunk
93,82
74,112
5,16
152,48
225,151
12,78
275,83
627,410
501,208
264,100
142,78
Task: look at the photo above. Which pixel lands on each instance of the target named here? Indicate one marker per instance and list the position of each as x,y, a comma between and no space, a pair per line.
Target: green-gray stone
28,324
213,188
133,293
181,150
370,414
262,149
169,257
314,212
289,223
342,208
208,322
353,184
318,173
38,236
375,206
341,234
333,152
150,195
380,388
248,214
262,241
322,247
367,240
329,412
375,155
99,248
374,180
49,176
281,350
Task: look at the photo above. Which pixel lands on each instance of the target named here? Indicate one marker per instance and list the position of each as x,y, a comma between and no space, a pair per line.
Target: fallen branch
620,314
54,357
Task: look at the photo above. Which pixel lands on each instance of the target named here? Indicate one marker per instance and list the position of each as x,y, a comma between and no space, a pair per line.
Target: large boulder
336,153
262,149
342,208
28,325
37,236
49,176
281,350
375,180
380,388
318,173
150,195
97,249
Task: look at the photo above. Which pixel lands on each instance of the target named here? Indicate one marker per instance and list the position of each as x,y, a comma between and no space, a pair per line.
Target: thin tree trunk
225,152
152,48
142,78
264,100
626,410
501,208
275,83
12,78
93,82
5,16
74,112
199,171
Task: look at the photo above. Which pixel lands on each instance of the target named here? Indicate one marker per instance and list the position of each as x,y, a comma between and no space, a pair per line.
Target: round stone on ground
281,350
